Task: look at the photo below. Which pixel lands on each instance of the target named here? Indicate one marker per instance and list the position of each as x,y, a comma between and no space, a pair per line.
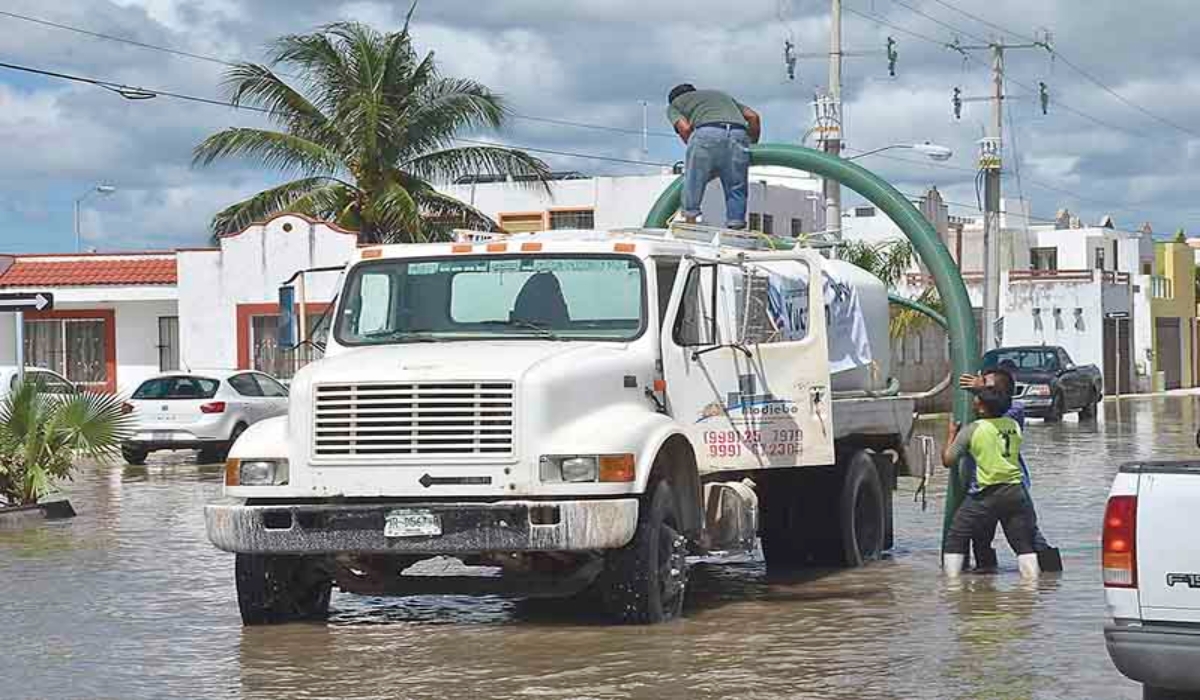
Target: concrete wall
1081,334
248,268
1176,262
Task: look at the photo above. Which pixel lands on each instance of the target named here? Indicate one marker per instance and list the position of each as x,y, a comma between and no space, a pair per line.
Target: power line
884,22
935,20
983,21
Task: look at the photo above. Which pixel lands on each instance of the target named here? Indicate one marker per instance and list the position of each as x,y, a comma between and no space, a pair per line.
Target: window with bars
267,356
572,218
768,224
73,347
755,221
168,343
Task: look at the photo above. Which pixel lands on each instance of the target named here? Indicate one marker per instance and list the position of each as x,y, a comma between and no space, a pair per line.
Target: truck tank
856,304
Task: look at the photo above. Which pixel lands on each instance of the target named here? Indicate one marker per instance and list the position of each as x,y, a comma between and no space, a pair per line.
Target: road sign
1117,314
29,301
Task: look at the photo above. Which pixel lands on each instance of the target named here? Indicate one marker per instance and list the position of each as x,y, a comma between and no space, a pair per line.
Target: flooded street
129,600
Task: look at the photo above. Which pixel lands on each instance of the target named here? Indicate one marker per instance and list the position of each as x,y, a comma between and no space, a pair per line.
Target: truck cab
572,412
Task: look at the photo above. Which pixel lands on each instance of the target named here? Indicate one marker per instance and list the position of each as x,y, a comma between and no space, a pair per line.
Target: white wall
249,268
623,202
1143,329
1085,345
136,334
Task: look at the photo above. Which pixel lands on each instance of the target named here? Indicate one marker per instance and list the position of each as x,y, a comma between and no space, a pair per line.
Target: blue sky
593,61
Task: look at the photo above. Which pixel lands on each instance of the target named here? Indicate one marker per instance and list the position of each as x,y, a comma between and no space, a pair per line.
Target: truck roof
680,239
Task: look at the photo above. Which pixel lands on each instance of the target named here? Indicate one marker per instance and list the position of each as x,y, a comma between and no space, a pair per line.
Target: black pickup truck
1049,384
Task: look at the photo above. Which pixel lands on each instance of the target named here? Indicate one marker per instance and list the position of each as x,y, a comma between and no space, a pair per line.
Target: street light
930,150
102,190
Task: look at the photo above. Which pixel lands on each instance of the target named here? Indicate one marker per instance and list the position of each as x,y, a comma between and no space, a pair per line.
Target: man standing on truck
718,131
994,441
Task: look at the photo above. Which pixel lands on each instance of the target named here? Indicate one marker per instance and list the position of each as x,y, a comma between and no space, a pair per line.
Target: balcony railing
1106,276
1161,287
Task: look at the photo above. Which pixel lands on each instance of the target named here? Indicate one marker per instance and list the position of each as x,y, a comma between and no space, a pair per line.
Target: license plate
412,523
161,435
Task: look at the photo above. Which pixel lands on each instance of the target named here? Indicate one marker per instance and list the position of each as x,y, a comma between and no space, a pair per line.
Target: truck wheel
1057,409
134,455
644,581
1151,693
862,512
276,589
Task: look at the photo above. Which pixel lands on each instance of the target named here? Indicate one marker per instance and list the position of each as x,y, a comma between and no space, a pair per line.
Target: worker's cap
681,89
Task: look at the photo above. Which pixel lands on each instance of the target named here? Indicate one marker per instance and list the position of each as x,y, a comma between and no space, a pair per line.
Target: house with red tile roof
119,318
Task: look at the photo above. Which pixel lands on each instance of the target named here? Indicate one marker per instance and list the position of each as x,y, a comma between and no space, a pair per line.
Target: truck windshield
1032,358
555,297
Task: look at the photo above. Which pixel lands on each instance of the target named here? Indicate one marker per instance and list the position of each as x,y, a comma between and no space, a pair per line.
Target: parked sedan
50,382
1049,383
203,411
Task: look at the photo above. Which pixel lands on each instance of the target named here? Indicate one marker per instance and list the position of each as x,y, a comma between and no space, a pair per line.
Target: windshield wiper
530,325
405,336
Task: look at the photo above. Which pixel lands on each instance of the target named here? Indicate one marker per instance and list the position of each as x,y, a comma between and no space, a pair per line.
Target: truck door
746,362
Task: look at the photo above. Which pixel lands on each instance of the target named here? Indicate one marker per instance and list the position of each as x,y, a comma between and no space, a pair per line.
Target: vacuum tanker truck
572,413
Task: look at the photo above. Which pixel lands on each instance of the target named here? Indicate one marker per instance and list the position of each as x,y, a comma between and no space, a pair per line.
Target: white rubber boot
1028,564
953,564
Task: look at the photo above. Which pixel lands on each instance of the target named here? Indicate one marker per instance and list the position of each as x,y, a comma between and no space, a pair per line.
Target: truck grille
427,419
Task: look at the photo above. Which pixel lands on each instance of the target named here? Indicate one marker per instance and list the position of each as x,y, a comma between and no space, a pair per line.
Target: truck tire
1149,692
276,589
862,512
644,582
134,455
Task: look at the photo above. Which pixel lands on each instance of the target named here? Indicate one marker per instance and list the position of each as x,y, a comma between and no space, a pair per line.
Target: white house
574,201
120,318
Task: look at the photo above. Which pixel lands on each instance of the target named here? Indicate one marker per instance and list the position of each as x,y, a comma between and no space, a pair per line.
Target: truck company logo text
1192,580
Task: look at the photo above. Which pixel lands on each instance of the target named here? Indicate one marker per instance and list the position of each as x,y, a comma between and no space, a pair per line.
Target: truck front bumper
1163,656
466,528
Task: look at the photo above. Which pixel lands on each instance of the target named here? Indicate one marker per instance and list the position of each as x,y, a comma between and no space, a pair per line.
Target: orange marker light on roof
660,385
625,247
372,253
497,247
461,248
530,247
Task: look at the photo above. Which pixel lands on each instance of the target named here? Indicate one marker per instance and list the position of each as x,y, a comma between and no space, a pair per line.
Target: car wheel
221,453
276,589
1057,408
135,456
1091,408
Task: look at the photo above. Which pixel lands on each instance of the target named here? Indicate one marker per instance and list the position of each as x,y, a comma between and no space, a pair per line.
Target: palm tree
41,436
890,261
369,128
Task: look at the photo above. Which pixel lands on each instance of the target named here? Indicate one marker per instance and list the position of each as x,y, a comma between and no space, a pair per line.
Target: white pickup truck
1152,577
572,413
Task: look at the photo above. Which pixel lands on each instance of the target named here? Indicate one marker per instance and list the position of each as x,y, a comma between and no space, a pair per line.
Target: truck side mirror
285,332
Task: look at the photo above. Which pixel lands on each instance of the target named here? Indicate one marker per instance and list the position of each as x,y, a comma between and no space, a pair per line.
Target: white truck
572,413
1152,577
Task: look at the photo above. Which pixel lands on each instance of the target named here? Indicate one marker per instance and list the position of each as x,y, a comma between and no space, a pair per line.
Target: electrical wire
935,20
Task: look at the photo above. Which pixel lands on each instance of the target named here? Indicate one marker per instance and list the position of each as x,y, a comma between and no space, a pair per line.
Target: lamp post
102,190
931,150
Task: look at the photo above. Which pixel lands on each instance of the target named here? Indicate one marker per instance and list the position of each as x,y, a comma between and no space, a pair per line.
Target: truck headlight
587,468
1038,390
256,472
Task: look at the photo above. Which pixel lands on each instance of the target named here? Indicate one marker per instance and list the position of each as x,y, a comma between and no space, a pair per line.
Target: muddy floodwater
129,600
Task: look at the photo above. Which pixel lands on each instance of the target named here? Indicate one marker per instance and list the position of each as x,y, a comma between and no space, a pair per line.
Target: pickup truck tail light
1120,542
213,407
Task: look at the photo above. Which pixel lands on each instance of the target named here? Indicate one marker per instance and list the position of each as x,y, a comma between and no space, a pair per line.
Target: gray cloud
592,61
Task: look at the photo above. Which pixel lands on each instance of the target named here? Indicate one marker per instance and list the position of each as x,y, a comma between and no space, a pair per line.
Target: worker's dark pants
985,555
1009,504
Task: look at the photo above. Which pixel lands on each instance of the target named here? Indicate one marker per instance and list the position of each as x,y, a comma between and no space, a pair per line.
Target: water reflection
129,600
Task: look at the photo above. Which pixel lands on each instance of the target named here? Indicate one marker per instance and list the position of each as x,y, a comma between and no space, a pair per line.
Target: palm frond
441,214
452,163
905,321
263,205
277,150
393,216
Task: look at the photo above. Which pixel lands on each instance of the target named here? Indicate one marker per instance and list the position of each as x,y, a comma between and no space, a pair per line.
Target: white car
51,382
202,410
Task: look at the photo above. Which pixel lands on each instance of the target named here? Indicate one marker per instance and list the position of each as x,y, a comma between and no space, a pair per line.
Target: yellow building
1173,313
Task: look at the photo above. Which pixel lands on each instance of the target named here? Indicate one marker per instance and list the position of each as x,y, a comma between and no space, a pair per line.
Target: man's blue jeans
715,151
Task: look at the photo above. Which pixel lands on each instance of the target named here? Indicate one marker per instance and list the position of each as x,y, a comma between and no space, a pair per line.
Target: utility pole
832,137
991,150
